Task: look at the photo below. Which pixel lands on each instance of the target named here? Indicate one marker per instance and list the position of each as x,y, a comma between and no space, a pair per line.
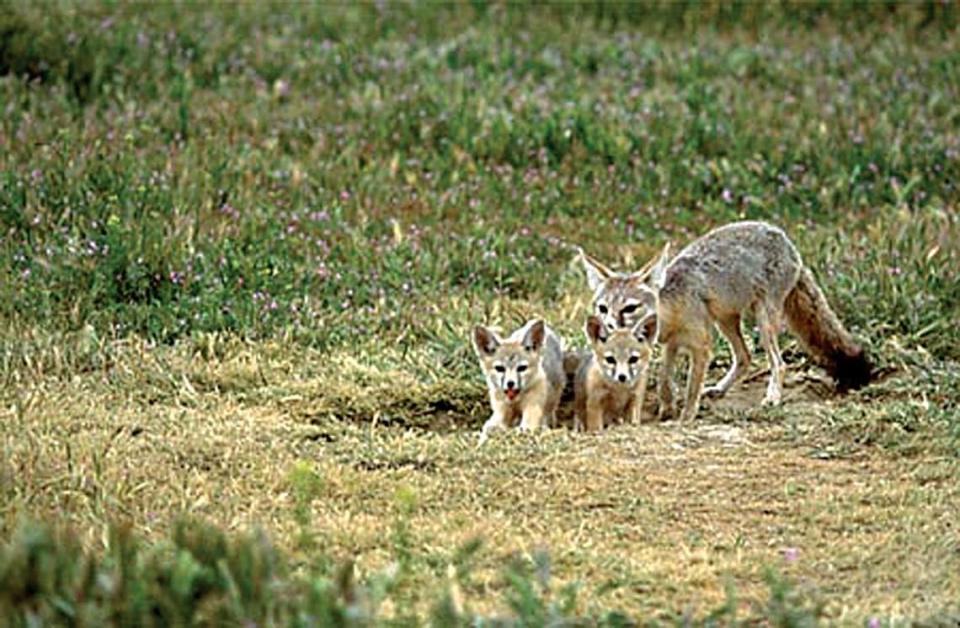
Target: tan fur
531,361
742,268
612,380
620,299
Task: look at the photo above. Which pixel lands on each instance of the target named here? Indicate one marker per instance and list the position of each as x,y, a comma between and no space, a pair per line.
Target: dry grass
652,519
241,250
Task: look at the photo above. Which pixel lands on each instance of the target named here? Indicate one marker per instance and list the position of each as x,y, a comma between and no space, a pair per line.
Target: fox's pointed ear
649,269
533,339
659,269
595,329
645,330
485,342
597,273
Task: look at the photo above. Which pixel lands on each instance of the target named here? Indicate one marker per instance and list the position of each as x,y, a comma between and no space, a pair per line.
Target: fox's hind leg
729,327
768,319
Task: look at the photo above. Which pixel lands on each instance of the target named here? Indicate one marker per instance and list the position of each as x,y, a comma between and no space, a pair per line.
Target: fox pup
741,268
525,376
611,381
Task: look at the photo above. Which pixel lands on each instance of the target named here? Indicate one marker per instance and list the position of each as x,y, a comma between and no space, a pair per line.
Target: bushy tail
809,317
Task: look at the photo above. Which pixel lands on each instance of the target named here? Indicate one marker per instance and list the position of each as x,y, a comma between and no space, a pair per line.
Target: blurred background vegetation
320,171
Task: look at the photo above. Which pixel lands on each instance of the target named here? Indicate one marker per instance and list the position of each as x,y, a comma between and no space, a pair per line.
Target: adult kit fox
739,268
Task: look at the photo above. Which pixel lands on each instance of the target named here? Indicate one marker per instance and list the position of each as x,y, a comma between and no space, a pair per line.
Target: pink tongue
511,393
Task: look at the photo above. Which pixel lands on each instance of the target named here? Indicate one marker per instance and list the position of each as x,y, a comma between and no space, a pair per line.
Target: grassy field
242,247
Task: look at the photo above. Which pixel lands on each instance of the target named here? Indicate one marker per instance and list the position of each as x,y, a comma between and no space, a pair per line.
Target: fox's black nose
510,384
622,377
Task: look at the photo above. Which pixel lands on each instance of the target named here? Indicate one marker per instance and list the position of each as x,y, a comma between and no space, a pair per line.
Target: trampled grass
242,248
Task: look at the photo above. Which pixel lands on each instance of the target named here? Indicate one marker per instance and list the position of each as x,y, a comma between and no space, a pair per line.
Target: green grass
273,226
200,577
264,173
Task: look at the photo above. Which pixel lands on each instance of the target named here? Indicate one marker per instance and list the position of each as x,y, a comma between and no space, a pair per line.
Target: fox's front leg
594,418
551,410
698,368
636,404
495,422
533,416
579,406
580,416
665,383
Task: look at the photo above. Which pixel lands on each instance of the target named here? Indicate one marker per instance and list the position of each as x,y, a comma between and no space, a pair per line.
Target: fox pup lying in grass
525,376
611,381
740,268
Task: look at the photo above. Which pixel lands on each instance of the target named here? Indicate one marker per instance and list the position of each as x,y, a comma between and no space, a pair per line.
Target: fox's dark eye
634,359
602,308
630,309
499,368
521,368
610,359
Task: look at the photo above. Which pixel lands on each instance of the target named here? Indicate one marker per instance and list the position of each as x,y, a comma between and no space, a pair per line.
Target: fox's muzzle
622,374
511,388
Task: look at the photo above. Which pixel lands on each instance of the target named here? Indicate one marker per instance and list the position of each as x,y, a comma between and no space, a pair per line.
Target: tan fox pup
525,376
611,381
741,268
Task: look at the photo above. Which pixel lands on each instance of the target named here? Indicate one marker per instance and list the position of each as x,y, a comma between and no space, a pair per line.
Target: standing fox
610,382
743,267
525,376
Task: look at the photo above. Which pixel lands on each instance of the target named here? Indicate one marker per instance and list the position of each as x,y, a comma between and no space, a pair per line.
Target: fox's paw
531,429
772,398
665,413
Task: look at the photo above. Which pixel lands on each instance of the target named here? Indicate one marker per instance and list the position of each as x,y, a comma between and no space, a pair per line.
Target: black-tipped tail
824,336
851,371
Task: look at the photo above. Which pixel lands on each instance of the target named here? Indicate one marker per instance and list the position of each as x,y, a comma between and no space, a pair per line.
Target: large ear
645,330
595,329
533,339
597,273
485,342
658,272
651,267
